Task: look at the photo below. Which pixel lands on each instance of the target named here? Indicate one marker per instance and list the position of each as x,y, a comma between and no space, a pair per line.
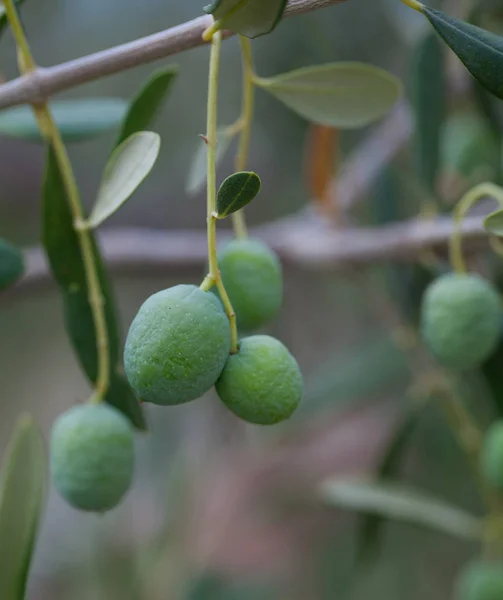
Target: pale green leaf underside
343,95
77,120
238,190
196,179
22,493
250,18
493,223
398,502
128,166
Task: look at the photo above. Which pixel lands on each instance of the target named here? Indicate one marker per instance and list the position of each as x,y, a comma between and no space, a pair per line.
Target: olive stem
461,210
214,277
414,4
52,135
219,24
248,102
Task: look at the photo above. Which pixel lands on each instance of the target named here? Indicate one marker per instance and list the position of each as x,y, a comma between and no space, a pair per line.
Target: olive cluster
177,348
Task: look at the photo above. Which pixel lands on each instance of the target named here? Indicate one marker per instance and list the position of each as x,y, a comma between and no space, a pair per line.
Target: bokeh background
221,510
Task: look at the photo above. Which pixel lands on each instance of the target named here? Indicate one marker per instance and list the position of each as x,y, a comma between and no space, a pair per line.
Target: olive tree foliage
186,340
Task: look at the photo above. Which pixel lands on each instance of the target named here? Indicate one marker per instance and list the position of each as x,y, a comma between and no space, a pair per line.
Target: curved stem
213,277
466,203
51,133
238,218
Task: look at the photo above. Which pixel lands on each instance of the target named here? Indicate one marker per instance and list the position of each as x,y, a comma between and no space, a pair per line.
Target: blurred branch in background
39,85
304,239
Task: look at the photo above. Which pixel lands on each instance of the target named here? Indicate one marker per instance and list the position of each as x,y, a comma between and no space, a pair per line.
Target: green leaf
493,223
22,495
238,190
11,264
401,503
78,120
428,99
479,50
371,525
128,166
146,105
344,95
196,179
250,18
3,17
63,250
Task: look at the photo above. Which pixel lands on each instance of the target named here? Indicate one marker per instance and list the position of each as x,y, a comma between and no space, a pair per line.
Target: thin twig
45,82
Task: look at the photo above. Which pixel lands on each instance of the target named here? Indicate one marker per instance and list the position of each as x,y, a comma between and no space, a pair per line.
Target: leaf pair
250,18
128,165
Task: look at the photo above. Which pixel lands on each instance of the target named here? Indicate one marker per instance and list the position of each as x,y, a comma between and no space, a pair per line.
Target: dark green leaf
146,105
236,192
122,397
371,525
479,50
22,495
62,246
130,163
196,179
250,18
344,95
11,264
491,371
398,502
3,17
78,120
428,87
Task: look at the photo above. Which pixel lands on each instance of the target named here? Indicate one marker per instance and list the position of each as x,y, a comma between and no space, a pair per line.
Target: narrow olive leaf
344,95
22,495
394,501
3,17
479,50
78,120
238,190
371,526
128,166
146,105
11,264
63,250
250,18
493,223
196,179
428,100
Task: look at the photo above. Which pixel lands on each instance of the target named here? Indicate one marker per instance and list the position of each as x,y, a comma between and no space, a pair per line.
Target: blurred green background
221,510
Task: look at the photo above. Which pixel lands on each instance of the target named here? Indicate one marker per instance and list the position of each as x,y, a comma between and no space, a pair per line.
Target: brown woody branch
45,82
